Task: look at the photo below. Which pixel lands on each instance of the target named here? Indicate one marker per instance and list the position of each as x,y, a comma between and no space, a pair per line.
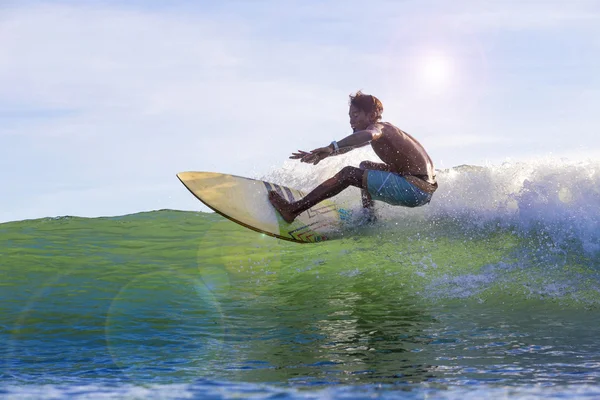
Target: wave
223,390
554,197
533,225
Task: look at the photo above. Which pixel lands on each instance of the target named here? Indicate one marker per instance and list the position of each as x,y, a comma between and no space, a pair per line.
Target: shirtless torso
403,155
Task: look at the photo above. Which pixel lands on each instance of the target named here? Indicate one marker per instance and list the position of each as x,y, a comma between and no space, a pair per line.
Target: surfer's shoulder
387,128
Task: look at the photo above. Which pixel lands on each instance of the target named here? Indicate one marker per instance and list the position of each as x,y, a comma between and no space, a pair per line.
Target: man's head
364,110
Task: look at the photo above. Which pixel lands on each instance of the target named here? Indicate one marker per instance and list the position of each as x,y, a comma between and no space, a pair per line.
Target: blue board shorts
394,189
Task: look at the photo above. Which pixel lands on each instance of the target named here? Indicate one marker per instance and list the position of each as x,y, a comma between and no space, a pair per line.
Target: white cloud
527,15
61,56
458,140
132,97
140,65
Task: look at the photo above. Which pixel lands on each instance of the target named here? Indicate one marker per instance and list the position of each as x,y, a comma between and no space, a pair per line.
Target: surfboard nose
183,176
199,180
188,176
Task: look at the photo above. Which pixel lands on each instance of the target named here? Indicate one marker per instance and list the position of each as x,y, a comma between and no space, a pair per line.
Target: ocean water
490,291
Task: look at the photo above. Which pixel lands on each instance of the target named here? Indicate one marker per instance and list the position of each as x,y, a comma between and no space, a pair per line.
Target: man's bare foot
367,216
282,206
371,217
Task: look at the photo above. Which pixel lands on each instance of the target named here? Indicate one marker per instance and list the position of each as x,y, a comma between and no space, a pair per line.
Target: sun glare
435,71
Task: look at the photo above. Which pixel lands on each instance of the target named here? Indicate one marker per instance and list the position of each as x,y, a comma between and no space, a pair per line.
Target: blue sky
102,102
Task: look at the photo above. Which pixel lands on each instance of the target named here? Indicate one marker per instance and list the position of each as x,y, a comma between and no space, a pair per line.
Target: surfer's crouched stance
405,178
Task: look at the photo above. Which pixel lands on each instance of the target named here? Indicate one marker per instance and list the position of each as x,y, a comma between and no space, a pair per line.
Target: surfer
405,178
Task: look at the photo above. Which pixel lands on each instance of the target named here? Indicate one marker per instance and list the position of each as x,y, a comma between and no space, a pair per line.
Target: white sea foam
462,388
556,196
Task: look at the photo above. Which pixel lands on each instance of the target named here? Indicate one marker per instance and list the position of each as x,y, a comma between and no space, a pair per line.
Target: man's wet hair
367,103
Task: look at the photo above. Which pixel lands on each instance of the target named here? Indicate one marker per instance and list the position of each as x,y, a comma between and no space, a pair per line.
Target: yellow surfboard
245,201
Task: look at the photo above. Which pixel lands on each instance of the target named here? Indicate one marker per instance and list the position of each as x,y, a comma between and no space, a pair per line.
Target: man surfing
405,178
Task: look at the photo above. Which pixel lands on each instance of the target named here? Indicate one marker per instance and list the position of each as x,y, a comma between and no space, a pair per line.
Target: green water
171,297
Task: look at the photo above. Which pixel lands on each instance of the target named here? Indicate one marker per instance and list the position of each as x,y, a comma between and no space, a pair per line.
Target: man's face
359,120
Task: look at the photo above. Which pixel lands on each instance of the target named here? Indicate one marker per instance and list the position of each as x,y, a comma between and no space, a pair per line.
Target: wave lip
556,197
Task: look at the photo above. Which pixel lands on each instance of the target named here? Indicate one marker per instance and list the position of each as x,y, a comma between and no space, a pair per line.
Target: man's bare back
404,155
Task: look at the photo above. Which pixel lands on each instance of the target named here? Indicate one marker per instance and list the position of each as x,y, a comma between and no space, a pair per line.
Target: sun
435,70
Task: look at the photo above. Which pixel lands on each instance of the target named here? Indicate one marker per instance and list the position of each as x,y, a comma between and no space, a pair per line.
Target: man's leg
346,177
367,201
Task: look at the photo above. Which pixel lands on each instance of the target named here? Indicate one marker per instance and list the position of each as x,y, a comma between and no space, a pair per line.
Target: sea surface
490,291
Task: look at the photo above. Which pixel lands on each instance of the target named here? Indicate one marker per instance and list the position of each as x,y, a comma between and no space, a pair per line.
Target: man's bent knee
351,175
349,171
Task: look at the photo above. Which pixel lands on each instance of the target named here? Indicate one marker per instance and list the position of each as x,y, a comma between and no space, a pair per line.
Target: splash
558,199
525,227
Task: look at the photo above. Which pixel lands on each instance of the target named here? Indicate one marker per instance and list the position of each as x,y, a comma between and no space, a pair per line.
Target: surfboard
245,201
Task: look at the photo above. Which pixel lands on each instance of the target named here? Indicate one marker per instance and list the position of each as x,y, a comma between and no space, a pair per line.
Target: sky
103,102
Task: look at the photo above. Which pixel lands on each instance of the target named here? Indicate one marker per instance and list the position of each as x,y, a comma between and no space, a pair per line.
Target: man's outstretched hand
314,156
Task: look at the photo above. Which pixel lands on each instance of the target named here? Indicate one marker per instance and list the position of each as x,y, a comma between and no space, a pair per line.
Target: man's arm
351,142
357,139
